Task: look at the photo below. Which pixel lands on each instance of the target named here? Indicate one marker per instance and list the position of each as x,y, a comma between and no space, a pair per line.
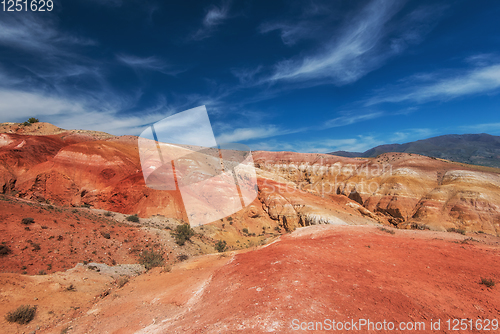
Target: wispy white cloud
483,59
290,33
360,47
235,135
491,128
306,20
214,17
443,86
151,63
407,135
351,119
356,144
246,75
360,143
31,33
243,134
64,87
71,113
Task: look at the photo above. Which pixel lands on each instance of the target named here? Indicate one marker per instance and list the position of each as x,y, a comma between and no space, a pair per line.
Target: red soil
65,237
314,273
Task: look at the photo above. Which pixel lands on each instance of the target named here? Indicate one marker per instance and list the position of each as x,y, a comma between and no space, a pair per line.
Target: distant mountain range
477,149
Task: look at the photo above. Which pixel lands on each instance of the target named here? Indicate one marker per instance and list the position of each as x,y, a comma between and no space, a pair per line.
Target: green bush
133,218
22,315
32,120
221,246
151,258
245,230
183,233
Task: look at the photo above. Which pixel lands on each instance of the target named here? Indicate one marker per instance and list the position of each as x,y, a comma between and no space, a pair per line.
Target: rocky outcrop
405,190
294,208
104,174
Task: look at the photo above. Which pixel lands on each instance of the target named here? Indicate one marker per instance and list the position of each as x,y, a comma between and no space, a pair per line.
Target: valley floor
335,272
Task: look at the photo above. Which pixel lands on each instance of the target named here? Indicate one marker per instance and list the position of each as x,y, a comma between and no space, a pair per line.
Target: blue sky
306,76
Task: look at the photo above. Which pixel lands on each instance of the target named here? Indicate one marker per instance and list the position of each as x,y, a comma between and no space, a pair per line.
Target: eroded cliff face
104,174
294,208
405,190
71,169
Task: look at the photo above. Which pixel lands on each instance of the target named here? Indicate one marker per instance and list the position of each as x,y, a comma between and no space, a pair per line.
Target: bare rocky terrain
327,237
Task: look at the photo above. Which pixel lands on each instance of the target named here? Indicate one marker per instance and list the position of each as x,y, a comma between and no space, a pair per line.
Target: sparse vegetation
468,240
387,230
488,282
183,233
457,230
105,235
182,257
30,121
4,250
27,221
151,259
121,281
415,226
245,230
71,287
221,246
22,315
108,214
133,218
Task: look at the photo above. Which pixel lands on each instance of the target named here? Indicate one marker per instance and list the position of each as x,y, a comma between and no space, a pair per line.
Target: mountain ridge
478,149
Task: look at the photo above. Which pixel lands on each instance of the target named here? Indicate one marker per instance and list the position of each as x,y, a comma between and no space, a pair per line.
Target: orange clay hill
400,237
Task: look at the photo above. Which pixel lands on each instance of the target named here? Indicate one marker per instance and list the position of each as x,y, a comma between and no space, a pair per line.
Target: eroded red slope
314,273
